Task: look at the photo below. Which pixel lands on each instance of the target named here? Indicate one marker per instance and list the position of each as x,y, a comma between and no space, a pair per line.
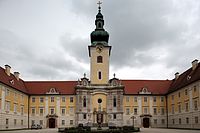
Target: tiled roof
12,81
185,79
42,87
153,86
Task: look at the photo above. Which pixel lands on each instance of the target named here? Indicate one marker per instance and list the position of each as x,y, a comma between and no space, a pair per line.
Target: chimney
7,69
17,75
176,75
194,64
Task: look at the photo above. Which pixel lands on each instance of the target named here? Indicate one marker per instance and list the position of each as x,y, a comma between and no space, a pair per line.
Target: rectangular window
7,106
163,121
15,122
196,105
41,111
22,110
145,99
196,120
63,122
15,108
172,97
22,98
155,121
179,94
114,116
135,111
52,111
41,122
127,111
186,92
63,111
71,122
99,75
179,108
162,99
127,99
187,120
33,99
195,88
186,107
15,95
172,109
71,110
179,120
71,100
145,111
41,99
22,122
155,111
173,121
52,99
84,116
114,101
33,111
162,111
135,99
154,99
7,92
7,122
33,122
63,99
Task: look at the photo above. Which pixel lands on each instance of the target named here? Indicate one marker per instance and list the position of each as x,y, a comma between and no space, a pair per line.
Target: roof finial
84,75
114,75
99,3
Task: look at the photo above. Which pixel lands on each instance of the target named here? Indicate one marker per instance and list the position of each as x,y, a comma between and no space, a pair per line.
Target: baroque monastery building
143,103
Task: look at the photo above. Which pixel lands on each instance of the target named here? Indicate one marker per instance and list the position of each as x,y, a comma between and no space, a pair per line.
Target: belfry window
99,75
84,101
99,59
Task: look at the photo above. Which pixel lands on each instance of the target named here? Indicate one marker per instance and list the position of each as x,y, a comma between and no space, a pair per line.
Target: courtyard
143,130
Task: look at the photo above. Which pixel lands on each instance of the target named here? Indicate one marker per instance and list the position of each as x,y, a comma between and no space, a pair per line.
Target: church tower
99,52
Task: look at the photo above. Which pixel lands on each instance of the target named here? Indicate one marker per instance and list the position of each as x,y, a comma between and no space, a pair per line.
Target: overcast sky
48,39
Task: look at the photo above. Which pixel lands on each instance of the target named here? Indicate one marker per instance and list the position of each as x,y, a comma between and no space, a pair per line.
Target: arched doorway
52,122
146,122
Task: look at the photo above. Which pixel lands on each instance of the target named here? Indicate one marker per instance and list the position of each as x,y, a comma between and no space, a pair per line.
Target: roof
153,86
12,81
185,79
42,87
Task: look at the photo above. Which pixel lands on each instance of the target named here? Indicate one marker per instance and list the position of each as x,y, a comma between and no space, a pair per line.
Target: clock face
99,49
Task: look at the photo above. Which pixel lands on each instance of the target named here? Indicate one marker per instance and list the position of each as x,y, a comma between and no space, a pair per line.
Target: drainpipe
166,109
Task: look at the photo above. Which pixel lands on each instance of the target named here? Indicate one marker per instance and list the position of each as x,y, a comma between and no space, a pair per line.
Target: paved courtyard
143,130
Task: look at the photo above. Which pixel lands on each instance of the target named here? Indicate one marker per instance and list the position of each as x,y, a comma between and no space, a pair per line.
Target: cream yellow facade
13,108
100,100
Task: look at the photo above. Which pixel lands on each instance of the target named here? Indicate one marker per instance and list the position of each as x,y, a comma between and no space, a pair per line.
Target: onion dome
99,35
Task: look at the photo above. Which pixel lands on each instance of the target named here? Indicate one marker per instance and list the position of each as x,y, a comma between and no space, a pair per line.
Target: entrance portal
146,122
52,123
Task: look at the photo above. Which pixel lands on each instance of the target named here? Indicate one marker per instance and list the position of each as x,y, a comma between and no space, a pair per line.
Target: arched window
99,59
84,101
114,101
99,75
